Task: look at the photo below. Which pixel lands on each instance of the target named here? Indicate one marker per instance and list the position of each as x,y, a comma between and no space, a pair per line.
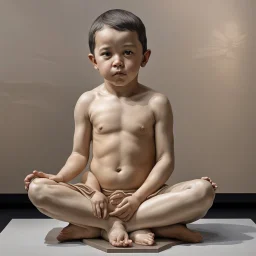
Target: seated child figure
123,196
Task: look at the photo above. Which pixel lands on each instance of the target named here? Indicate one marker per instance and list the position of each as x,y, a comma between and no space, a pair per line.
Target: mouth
119,73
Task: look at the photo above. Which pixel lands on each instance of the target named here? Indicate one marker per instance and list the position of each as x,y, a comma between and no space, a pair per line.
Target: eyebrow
107,47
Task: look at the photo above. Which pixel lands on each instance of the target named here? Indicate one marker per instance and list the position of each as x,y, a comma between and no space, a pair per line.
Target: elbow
170,165
168,160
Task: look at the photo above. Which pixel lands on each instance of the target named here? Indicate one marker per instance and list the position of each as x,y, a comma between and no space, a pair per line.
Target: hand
214,185
36,174
126,208
117,197
100,205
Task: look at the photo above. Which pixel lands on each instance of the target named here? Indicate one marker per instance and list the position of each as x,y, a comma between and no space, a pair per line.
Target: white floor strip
37,237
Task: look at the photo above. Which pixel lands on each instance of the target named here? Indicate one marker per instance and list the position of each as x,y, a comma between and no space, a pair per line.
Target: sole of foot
179,232
72,232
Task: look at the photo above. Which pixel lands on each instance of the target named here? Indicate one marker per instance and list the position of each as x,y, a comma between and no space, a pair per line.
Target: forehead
111,37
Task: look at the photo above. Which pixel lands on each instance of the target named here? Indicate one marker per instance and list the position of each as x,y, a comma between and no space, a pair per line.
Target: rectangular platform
37,237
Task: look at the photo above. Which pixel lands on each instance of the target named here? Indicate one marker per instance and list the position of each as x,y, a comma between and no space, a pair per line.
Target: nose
118,62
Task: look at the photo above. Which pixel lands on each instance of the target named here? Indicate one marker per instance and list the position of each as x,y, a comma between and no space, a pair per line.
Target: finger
101,209
118,193
116,202
38,174
124,202
28,177
98,211
94,209
27,184
44,175
119,211
105,210
41,174
124,215
116,196
113,202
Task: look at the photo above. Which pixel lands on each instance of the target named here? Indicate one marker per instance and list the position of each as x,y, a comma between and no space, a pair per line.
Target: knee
205,193
37,192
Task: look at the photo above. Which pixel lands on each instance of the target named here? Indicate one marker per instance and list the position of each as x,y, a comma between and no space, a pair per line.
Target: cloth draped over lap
88,192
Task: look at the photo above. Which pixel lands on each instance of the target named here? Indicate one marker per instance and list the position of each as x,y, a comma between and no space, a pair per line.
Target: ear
93,60
145,58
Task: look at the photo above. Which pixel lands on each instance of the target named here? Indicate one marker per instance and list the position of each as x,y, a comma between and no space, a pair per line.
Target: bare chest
113,116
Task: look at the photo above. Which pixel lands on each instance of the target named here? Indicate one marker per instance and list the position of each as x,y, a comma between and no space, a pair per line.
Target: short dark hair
120,20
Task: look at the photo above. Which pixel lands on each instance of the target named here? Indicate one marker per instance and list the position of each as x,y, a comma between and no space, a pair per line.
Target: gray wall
203,59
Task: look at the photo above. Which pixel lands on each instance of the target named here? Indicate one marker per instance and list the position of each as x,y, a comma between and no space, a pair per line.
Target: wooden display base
160,244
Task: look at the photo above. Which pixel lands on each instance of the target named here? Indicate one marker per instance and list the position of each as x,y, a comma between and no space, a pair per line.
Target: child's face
118,56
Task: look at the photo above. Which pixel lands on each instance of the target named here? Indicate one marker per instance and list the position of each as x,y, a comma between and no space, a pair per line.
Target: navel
119,169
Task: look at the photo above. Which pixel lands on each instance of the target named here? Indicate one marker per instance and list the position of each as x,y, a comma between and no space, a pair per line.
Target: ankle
114,222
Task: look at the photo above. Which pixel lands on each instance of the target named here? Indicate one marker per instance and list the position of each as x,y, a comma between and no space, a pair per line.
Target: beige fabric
81,188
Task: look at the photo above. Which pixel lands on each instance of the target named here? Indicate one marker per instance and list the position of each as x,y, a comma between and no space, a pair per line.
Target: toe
121,244
145,241
125,243
118,239
126,240
114,243
148,241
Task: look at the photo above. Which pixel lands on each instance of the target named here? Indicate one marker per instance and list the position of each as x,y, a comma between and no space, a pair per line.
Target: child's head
119,20
118,43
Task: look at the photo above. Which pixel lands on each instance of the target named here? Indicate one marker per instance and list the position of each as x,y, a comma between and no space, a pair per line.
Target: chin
118,83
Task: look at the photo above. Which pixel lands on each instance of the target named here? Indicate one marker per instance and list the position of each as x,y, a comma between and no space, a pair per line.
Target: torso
122,138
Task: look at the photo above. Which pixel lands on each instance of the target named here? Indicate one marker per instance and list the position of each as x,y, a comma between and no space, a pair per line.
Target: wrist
60,176
139,198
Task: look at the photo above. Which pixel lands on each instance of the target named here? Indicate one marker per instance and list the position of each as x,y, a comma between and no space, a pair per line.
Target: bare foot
180,232
72,232
116,234
142,236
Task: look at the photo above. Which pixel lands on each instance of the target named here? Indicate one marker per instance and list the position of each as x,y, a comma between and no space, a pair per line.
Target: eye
128,52
105,54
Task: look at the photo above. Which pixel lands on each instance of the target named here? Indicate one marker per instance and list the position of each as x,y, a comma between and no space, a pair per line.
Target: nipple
142,127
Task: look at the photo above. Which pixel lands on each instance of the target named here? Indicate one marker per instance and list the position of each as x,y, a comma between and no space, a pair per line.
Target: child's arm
99,201
90,180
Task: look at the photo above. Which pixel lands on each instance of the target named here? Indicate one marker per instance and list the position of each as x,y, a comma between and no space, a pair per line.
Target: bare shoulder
158,99
160,105
83,103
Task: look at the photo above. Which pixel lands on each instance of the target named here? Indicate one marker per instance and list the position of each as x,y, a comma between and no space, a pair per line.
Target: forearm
73,167
157,177
92,181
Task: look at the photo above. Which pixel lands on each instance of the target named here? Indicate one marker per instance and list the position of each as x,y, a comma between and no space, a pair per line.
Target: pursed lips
119,73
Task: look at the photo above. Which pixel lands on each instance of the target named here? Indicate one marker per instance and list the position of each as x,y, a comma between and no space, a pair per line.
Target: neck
127,90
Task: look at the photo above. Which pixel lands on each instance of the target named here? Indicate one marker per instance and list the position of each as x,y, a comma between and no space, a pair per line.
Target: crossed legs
182,203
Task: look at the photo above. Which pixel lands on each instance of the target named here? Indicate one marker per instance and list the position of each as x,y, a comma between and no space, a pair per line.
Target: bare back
123,138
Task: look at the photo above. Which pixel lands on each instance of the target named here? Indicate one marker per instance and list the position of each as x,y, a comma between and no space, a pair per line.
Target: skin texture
131,128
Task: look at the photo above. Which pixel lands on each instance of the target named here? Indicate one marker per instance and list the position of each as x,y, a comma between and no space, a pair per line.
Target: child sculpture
123,196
